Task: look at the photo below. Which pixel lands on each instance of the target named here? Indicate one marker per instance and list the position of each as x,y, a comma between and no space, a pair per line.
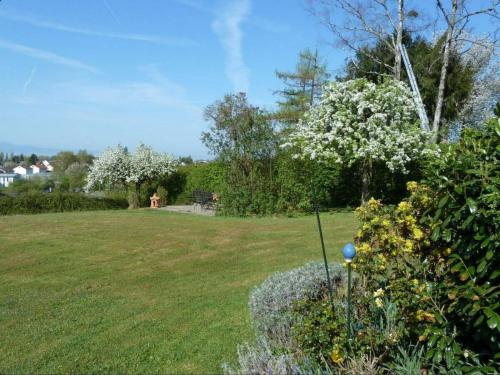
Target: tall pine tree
302,87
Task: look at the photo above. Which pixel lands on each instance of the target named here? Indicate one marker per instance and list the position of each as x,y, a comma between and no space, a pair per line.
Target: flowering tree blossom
110,169
360,121
146,164
117,167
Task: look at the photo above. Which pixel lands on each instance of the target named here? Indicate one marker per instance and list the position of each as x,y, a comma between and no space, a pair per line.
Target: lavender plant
271,302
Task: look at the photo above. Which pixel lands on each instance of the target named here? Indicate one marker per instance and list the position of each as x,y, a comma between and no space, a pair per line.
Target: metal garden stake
349,252
315,202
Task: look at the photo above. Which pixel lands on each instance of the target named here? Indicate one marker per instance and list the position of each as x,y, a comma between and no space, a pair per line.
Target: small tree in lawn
117,167
358,120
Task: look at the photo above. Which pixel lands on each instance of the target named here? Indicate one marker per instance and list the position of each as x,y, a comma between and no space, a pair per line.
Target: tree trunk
133,196
366,180
399,40
444,72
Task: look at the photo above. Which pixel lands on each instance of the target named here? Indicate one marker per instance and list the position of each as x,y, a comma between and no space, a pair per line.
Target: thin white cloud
46,56
155,39
264,24
29,80
227,26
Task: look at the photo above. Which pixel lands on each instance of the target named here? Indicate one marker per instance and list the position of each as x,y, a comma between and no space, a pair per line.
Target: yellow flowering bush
390,247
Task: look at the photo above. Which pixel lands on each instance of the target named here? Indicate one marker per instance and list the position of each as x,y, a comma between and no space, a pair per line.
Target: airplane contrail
29,80
110,10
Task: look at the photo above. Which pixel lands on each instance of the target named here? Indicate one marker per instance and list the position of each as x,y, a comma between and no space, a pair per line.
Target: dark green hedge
36,203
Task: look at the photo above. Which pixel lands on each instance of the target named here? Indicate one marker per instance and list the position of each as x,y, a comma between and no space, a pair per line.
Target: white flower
364,120
117,167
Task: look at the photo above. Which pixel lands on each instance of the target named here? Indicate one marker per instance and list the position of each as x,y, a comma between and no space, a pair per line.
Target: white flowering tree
360,121
117,167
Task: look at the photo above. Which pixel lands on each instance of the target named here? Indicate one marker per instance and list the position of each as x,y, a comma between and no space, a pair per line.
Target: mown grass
141,291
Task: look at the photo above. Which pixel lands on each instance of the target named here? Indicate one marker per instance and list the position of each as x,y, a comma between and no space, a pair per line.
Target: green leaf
467,221
447,235
435,234
443,201
485,242
472,205
479,320
481,266
492,323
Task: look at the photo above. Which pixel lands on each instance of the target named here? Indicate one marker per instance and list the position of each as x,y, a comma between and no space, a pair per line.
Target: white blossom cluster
116,166
359,120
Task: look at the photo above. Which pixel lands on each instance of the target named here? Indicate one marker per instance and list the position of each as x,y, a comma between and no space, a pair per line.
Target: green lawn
141,291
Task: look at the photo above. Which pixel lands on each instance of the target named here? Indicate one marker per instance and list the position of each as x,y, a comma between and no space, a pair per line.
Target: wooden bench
204,199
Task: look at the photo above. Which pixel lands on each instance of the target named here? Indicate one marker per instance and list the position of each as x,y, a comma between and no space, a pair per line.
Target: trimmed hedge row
36,203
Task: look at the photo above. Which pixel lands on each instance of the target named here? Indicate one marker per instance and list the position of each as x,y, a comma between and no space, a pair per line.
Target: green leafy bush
34,203
163,194
435,255
465,218
199,176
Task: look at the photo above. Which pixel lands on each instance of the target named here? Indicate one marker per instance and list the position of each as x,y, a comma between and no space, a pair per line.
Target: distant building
23,171
47,165
7,178
40,168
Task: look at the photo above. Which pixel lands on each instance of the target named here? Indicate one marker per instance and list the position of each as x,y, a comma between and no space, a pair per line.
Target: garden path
191,209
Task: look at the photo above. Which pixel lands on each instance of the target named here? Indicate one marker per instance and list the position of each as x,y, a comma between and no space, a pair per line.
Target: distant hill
26,149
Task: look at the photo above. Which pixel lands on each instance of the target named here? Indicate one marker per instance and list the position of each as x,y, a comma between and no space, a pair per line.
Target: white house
7,178
35,169
22,170
38,168
47,165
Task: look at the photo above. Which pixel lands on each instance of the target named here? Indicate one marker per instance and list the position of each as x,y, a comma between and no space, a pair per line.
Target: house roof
41,166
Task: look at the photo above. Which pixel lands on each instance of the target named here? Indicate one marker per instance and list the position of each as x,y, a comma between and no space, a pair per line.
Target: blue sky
88,74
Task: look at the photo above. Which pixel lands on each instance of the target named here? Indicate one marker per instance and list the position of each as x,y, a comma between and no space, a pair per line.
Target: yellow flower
378,293
415,282
408,246
422,315
417,233
379,302
373,203
410,220
336,355
411,186
386,223
404,206
364,248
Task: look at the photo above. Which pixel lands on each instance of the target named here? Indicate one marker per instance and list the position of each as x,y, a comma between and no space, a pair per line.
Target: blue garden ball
349,251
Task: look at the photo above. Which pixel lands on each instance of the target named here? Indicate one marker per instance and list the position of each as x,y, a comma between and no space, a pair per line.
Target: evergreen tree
302,87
